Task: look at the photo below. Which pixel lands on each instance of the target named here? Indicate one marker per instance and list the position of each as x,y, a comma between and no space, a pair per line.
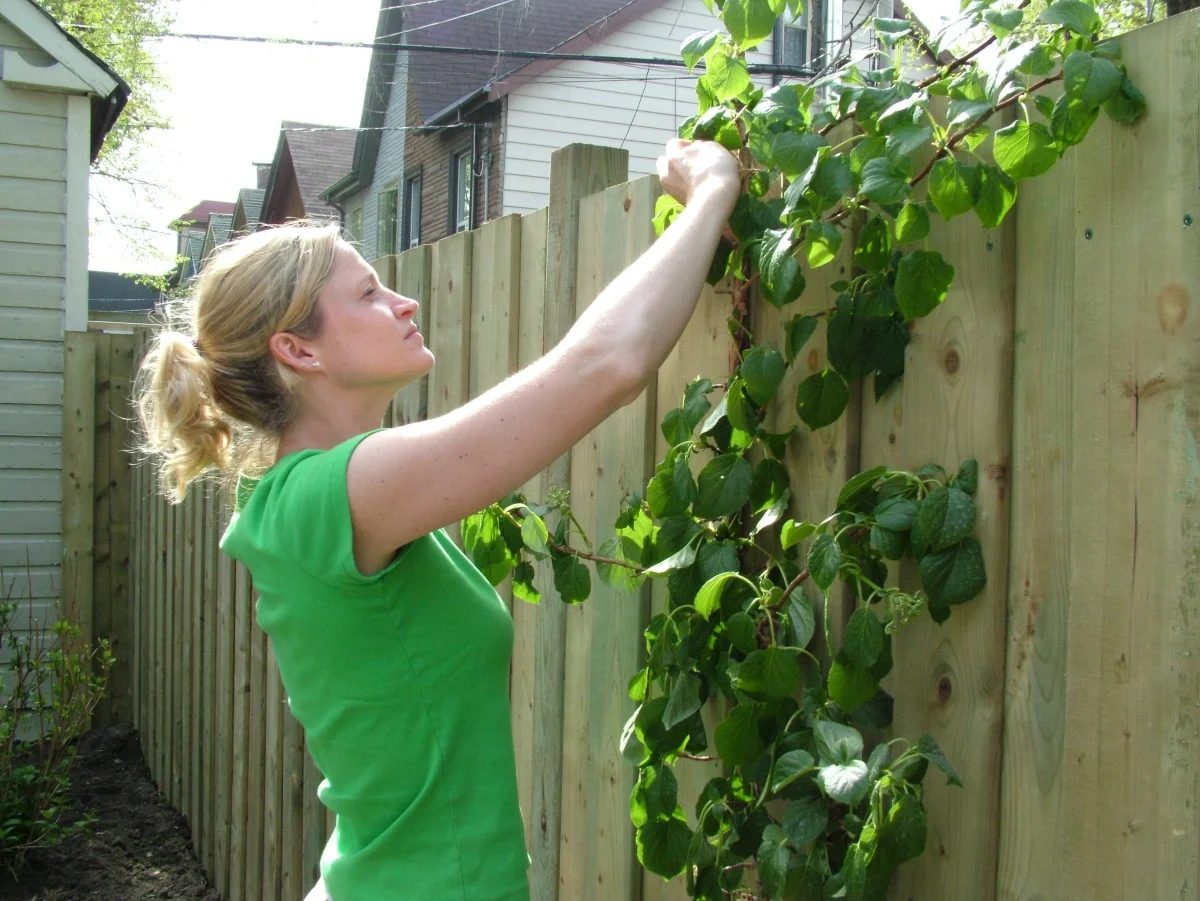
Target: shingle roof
221,224
200,212
440,82
320,158
113,292
251,200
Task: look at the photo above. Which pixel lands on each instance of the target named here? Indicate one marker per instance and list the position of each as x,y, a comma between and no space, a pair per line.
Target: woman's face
368,335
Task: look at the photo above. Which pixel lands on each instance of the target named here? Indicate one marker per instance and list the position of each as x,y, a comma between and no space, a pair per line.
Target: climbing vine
811,800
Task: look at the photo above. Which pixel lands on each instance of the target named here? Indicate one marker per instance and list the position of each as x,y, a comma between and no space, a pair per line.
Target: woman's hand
690,169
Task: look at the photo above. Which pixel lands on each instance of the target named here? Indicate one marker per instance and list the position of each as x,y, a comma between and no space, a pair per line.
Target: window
801,42
387,223
354,227
795,41
412,212
460,191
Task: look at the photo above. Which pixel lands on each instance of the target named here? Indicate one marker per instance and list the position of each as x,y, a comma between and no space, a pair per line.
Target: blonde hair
211,395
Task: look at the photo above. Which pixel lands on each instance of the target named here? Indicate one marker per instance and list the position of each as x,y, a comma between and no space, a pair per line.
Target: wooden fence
1068,695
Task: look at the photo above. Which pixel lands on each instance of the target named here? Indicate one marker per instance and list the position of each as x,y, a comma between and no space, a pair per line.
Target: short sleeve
303,513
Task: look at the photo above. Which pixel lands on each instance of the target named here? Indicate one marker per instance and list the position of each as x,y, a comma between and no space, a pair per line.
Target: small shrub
52,683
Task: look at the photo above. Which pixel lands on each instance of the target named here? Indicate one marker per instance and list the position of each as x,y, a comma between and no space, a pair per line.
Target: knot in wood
951,361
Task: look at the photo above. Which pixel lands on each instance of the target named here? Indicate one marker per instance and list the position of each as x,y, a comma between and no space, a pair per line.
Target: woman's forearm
640,316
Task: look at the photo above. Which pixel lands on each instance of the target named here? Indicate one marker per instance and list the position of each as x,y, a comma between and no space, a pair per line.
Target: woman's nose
405,306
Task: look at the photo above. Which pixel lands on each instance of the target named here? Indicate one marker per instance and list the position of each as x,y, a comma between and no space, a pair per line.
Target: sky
225,102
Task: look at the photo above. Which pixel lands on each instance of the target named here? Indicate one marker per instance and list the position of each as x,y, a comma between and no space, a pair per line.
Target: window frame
386,247
455,223
354,226
409,239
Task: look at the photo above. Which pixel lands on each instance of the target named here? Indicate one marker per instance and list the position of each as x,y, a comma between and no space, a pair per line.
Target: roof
537,25
251,201
321,155
114,292
200,213
109,92
381,75
220,223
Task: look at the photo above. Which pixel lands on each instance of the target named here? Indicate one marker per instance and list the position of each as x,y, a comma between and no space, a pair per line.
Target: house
219,227
114,297
194,222
472,138
308,159
247,211
57,104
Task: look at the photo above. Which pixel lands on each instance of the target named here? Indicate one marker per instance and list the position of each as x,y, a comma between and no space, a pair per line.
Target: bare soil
139,849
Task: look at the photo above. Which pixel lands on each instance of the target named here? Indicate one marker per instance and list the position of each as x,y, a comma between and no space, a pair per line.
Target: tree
117,31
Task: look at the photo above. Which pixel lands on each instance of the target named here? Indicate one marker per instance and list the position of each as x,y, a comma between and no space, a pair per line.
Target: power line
754,68
473,12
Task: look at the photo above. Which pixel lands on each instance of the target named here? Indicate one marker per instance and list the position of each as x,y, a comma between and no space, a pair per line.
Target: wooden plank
170,649
137,539
120,687
32,259
954,403
42,389
273,777
30,422
222,700
34,163
575,172
256,787
315,832
33,454
186,676
449,331
38,196
30,486
25,227
31,356
36,103
603,637
413,268
29,292
30,324
292,832
522,688
37,518
209,611
1033,823
29,130
101,515
240,795
78,480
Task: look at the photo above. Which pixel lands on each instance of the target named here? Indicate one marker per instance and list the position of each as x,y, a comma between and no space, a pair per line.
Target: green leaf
830,181
708,598
793,152
717,124
741,632
884,182
799,330
863,641
794,532
522,584
681,559
822,242
824,560
912,223
696,46
907,140
672,491
1076,15
874,248
1127,104
774,859
822,398
953,187
750,22
659,791
572,579
968,476
997,194
771,673
763,369
896,513
845,783
782,280
1025,149
696,403
923,279
804,620
903,832
724,486
891,545
859,483
955,575
1003,21
849,685
684,701
836,742
1090,80
805,820
535,534
929,750
947,516
788,768
727,77
484,542
1070,122
738,408
737,736
666,208
662,846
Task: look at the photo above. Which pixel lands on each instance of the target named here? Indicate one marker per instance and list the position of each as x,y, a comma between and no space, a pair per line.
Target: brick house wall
430,152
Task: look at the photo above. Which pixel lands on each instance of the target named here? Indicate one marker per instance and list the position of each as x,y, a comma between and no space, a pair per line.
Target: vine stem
701,757
960,61
792,586
584,555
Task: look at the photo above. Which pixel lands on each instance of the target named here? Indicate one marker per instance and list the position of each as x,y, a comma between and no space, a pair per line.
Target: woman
393,649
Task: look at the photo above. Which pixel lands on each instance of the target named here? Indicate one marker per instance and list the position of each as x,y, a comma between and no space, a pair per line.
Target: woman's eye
369,292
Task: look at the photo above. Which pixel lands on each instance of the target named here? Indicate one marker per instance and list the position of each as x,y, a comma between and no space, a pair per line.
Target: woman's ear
292,352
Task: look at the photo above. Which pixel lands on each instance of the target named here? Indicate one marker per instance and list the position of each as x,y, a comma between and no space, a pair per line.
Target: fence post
575,172
78,480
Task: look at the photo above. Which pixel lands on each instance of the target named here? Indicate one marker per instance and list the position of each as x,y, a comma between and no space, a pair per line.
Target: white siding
33,240
613,105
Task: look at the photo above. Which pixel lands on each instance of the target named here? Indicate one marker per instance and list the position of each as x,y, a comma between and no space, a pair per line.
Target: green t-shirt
400,680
